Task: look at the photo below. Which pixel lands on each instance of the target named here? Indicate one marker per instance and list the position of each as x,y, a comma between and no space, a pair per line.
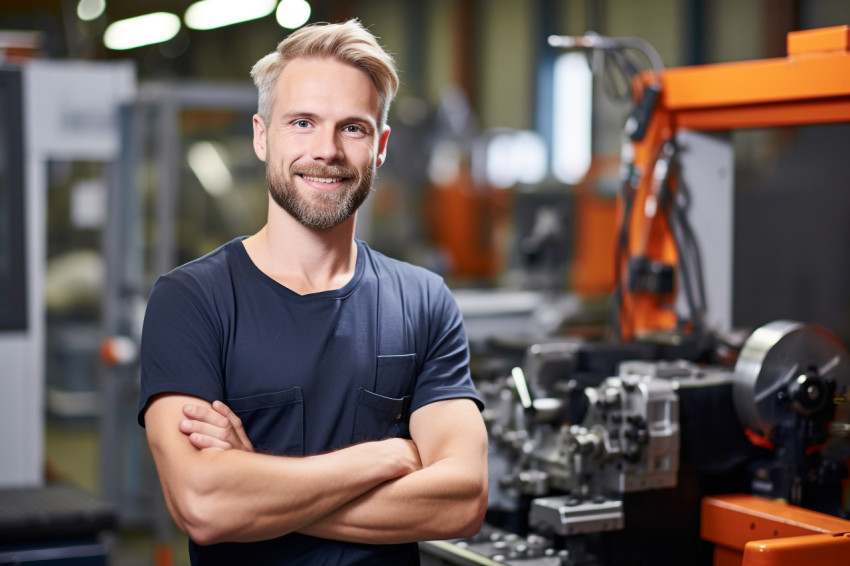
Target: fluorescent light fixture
141,30
514,157
211,14
571,118
206,160
529,154
500,172
88,10
292,14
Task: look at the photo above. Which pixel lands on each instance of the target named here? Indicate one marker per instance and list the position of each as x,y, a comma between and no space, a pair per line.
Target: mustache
323,171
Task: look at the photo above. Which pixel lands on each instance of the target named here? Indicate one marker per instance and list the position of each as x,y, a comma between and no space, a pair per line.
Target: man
302,393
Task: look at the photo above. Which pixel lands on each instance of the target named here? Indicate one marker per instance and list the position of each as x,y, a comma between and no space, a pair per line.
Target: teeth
323,179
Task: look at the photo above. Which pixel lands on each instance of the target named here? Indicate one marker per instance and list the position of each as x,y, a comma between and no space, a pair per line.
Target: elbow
205,525
203,535
192,516
468,516
195,513
473,518
200,534
201,530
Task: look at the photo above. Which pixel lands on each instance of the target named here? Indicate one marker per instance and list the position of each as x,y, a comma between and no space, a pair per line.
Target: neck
303,259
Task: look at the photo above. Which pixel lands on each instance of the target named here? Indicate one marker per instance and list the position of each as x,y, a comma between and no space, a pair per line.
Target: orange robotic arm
811,85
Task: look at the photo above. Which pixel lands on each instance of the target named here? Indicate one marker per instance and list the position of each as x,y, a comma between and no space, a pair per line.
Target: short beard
322,210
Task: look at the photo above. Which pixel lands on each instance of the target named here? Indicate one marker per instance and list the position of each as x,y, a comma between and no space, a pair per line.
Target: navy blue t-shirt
306,373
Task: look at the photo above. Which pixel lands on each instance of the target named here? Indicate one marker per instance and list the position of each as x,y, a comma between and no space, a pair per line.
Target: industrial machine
58,136
614,473
50,126
676,442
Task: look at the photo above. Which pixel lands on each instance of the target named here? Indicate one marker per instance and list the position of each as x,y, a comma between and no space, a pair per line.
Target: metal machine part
634,420
789,369
791,391
570,515
628,440
546,364
494,547
575,474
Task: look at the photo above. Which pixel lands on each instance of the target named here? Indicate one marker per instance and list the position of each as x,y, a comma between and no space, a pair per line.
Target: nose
326,146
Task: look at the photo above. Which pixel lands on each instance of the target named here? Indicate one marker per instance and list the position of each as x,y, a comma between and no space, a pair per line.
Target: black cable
687,247
694,267
679,239
682,204
614,58
628,186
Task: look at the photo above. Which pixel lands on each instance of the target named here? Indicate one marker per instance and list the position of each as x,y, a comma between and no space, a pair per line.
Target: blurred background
122,158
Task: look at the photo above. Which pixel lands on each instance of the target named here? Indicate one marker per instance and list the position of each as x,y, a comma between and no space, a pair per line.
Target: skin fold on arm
446,498
217,495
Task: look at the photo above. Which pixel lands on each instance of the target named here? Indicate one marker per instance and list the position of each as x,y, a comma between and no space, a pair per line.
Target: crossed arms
384,492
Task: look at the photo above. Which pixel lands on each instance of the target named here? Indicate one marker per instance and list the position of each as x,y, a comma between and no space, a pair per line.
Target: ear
259,137
382,146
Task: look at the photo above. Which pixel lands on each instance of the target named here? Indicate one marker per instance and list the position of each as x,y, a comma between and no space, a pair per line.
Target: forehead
325,86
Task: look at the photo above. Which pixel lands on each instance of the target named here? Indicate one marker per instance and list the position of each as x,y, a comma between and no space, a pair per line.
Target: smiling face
323,141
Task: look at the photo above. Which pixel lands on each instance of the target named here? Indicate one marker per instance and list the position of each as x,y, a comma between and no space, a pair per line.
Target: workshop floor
72,451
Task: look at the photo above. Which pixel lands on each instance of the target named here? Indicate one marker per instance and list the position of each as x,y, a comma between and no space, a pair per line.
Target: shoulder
204,280
402,271
209,266
421,293
210,269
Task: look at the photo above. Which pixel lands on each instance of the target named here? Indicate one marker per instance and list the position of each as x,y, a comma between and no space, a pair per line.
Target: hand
214,426
405,454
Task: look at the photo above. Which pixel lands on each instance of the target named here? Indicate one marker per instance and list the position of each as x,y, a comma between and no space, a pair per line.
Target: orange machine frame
753,531
809,86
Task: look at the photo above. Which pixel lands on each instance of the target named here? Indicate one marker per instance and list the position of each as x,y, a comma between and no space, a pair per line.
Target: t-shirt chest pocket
385,412
276,419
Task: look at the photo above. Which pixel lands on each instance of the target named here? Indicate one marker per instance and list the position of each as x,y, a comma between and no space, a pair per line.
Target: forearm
231,495
241,497
445,500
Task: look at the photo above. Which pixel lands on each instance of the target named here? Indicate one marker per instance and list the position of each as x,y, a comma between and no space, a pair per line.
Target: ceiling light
510,157
529,157
500,170
207,161
141,30
293,14
571,144
211,14
88,10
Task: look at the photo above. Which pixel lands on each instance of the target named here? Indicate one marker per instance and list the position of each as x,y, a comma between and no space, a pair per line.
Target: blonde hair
347,42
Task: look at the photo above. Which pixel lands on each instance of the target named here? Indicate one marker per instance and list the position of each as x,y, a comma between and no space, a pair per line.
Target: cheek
277,160
364,156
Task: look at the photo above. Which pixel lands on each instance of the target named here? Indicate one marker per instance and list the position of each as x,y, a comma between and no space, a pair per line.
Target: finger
205,414
235,422
188,426
201,441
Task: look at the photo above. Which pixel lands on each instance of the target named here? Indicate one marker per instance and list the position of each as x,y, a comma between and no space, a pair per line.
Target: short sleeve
181,343
444,372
